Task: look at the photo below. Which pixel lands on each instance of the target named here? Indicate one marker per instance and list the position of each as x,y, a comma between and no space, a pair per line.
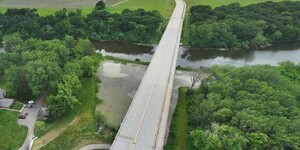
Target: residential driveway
29,123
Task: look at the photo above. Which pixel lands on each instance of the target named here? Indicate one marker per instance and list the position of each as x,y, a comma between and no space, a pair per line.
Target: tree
11,41
65,98
41,75
100,5
195,78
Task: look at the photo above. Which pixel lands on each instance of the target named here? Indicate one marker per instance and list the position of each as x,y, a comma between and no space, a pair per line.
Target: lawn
80,127
17,106
178,134
165,7
12,135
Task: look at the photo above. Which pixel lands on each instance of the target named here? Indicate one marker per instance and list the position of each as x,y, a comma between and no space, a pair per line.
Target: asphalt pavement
141,124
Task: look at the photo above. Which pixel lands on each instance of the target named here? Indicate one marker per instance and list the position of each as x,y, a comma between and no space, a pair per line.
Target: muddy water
119,83
207,58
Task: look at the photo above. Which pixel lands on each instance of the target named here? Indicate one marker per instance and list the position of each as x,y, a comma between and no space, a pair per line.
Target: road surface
142,123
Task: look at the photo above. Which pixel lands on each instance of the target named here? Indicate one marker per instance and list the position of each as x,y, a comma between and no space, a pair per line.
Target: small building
2,93
43,113
6,102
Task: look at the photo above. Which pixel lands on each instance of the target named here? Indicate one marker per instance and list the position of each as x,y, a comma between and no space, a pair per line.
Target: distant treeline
137,26
236,27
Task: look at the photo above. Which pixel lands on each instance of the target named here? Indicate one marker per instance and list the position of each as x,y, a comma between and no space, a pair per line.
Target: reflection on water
196,58
125,50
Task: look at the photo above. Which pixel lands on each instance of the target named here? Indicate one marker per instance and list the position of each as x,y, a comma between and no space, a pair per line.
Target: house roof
6,102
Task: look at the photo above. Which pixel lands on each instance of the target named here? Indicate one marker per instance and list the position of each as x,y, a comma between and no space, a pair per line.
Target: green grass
17,106
216,3
12,135
84,128
165,7
178,134
50,11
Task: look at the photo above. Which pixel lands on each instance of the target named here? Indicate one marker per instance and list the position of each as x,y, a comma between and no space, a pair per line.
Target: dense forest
252,26
34,68
252,107
137,26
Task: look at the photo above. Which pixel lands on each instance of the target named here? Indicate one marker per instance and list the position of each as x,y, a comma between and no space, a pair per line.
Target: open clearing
12,135
165,7
216,3
74,132
46,7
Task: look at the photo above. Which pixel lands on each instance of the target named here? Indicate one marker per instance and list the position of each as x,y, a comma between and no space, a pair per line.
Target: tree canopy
252,107
252,26
138,26
35,67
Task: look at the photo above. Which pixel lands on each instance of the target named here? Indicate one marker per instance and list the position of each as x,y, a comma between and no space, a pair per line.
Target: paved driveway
29,123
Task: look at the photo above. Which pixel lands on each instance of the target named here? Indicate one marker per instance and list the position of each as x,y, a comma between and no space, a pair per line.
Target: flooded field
119,83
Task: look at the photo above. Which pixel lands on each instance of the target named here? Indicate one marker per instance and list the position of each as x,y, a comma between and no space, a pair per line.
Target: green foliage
236,27
252,107
65,99
137,26
10,41
177,139
100,5
39,127
12,135
84,128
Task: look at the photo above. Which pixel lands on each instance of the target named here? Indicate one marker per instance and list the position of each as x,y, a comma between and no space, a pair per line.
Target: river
196,58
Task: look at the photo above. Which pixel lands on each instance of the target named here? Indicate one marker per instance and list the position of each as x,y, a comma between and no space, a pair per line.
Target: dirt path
96,146
53,134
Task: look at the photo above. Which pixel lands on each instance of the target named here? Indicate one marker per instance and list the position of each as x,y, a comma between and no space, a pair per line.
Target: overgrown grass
17,106
165,7
83,127
12,135
179,127
125,61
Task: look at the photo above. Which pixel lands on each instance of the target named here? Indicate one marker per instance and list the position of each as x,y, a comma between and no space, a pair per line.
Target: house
43,113
6,102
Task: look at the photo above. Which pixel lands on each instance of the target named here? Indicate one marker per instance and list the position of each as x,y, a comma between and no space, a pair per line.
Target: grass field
12,136
46,7
178,134
165,7
216,3
78,127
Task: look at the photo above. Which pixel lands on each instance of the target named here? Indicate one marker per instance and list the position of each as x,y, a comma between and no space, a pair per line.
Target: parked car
22,116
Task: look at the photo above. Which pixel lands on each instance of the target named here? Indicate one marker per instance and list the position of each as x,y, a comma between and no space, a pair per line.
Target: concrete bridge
144,125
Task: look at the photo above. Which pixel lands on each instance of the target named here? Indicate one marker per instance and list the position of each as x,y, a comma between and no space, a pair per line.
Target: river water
196,58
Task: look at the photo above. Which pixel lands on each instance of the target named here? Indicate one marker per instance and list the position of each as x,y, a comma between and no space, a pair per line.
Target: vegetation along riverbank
252,107
237,27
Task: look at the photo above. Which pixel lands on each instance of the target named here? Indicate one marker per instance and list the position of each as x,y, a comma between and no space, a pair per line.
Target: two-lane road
142,123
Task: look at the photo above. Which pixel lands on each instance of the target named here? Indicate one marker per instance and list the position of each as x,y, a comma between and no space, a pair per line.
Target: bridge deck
140,126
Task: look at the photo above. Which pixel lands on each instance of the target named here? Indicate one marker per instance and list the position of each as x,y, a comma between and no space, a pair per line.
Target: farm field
165,7
45,7
216,3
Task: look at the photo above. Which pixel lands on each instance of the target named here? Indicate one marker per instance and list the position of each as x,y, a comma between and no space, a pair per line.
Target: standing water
195,58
